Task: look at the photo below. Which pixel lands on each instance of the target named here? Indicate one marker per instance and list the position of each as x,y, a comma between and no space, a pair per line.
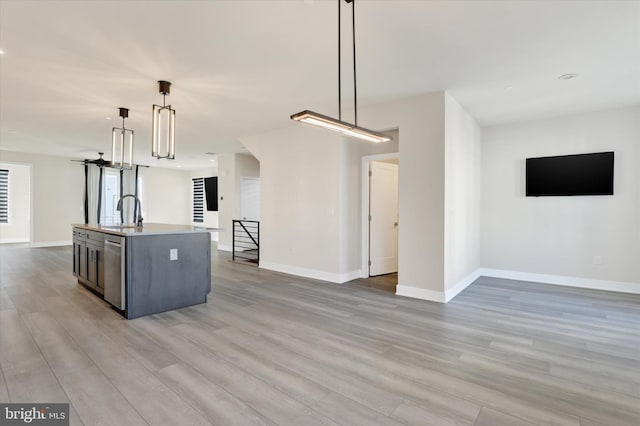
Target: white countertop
146,229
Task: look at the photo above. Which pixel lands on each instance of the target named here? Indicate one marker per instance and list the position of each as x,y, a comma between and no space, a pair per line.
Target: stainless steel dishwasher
114,271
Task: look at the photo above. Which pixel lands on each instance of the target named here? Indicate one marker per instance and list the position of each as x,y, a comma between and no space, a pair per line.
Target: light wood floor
275,349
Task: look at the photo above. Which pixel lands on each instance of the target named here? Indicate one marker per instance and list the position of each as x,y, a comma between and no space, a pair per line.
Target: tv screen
211,190
581,174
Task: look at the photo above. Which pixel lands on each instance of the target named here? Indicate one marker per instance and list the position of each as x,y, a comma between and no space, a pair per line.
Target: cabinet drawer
95,237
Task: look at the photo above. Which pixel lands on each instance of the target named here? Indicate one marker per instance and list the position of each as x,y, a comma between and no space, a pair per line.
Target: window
4,196
198,200
110,196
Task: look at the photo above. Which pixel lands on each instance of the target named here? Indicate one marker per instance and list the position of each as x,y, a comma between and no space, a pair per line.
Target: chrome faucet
139,218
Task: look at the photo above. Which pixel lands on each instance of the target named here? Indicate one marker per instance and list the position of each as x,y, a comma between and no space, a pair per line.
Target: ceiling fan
100,162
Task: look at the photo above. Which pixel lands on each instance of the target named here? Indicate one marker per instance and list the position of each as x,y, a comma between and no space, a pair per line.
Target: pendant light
163,132
121,151
338,125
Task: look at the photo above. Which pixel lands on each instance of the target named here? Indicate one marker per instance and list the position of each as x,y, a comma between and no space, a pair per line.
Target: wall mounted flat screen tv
581,174
211,190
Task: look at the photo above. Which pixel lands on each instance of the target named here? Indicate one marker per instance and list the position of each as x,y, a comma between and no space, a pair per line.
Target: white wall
58,194
18,230
562,235
307,187
299,200
462,197
166,195
421,124
226,199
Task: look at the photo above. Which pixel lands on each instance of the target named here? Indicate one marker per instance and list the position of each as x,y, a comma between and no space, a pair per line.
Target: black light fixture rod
164,87
355,91
124,113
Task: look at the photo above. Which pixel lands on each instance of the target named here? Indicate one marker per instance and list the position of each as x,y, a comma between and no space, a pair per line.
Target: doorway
16,214
250,198
383,217
380,220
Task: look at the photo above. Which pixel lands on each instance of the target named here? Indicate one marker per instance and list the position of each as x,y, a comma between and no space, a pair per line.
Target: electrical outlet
173,254
597,260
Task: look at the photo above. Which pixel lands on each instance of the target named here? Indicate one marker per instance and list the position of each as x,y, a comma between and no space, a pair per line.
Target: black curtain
86,194
100,194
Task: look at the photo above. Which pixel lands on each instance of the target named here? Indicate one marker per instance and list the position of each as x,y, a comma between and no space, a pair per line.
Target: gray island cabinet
144,270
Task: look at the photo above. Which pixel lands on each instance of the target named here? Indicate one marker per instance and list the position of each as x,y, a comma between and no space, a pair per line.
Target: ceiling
242,67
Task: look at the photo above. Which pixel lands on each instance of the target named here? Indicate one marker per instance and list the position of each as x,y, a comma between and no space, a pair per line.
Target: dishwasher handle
112,243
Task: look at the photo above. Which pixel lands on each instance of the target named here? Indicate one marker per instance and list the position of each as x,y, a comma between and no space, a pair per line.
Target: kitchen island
144,270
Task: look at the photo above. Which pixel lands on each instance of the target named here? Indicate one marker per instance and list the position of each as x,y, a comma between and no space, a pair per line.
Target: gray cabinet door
92,272
76,258
95,266
100,268
82,256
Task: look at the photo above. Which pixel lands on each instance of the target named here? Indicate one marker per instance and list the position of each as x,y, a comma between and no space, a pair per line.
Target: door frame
364,206
31,213
247,178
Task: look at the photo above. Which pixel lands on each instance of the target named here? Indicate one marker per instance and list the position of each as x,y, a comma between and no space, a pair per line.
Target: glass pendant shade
343,127
122,144
164,132
121,148
163,126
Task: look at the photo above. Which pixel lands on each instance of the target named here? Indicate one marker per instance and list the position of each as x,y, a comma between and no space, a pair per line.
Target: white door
383,223
249,198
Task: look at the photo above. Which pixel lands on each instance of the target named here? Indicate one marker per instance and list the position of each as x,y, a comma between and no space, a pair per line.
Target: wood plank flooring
270,349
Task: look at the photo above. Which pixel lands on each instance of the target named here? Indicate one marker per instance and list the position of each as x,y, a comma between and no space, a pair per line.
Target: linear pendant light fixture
163,132
338,125
120,149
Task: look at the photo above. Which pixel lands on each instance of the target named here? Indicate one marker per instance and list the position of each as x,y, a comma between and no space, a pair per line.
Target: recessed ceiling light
212,161
567,76
508,87
1,52
107,118
179,165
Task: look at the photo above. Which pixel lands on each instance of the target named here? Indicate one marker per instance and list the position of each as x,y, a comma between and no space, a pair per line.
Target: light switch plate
173,254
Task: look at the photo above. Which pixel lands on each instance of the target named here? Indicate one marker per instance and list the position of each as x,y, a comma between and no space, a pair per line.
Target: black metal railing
246,241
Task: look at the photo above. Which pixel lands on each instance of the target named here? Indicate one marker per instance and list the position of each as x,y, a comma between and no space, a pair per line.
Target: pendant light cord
355,93
339,65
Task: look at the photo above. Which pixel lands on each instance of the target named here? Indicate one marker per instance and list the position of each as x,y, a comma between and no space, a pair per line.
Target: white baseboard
619,286
461,285
438,296
349,276
420,293
311,273
13,240
224,247
51,244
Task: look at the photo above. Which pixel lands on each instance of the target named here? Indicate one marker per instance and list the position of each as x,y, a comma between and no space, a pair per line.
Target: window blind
4,196
198,200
